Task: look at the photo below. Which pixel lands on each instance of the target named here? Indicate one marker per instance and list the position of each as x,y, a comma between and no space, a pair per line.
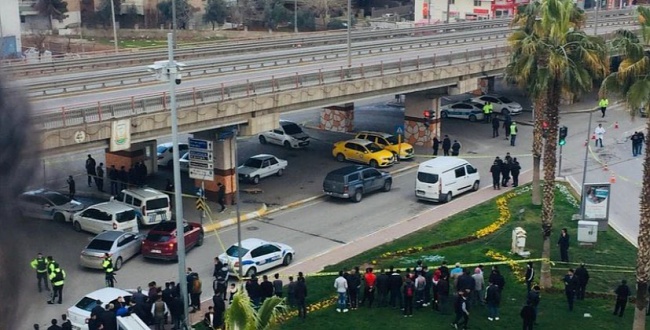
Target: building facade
462,10
10,41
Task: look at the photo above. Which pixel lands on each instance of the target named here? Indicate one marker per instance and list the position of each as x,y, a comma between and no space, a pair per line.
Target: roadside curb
231,221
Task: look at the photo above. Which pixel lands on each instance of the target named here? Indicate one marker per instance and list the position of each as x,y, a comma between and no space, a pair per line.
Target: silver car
47,204
120,245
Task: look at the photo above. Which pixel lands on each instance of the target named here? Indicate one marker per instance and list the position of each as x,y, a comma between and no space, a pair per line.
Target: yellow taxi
362,151
388,142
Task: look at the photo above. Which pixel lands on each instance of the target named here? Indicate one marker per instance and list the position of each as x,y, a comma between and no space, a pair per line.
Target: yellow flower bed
504,217
516,268
310,309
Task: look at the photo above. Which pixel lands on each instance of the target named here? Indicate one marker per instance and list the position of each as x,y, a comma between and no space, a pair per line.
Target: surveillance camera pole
584,166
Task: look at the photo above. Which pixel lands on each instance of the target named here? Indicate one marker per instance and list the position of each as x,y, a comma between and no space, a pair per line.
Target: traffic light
564,131
428,116
545,129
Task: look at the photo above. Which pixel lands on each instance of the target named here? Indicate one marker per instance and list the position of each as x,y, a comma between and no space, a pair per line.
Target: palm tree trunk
539,106
643,254
548,191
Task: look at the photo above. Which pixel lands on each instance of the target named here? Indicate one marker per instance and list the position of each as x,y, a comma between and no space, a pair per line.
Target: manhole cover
252,228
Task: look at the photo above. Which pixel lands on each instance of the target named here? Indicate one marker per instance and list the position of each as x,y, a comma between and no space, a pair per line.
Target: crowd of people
504,169
135,176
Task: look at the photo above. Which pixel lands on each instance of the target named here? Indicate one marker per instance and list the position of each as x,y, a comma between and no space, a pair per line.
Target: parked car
257,256
261,166
500,104
80,312
166,155
441,178
161,242
106,216
47,204
356,180
289,135
400,149
362,151
152,206
184,162
471,111
121,246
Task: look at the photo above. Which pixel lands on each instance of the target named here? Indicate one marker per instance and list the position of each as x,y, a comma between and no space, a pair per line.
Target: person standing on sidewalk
90,169
487,112
99,178
583,279
113,175
221,196
341,286
570,287
436,145
514,171
446,145
599,132
300,293
40,265
72,187
513,133
455,148
563,243
603,103
507,121
495,127
641,140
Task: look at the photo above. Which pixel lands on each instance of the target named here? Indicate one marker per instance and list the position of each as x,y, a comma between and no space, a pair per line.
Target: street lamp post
596,20
174,23
349,34
448,9
114,27
429,12
584,166
295,16
233,146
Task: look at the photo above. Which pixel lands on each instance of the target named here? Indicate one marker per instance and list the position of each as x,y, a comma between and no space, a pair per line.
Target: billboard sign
595,199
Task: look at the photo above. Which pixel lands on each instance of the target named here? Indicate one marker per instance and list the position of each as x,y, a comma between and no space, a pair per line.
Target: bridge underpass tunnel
138,152
337,118
415,130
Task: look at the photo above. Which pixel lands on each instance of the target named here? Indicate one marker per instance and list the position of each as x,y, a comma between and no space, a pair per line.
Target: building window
477,3
22,18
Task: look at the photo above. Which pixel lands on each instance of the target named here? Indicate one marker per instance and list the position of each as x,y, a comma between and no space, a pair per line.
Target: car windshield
86,304
100,244
233,251
253,162
505,99
56,198
373,147
291,128
158,237
158,203
125,216
161,149
392,139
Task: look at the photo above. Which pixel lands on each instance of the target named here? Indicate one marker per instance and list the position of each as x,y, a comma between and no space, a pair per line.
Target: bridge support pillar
415,130
144,152
224,162
485,86
337,118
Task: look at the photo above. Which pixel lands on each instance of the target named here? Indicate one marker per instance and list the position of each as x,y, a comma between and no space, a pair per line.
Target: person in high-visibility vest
107,265
603,103
513,133
40,265
50,264
57,278
487,112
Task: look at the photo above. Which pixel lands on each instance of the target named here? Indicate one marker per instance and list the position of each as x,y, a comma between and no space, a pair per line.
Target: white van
441,178
289,135
152,205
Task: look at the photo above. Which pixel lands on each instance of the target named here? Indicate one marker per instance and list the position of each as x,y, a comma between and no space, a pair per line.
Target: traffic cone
616,125
593,136
612,179
605,168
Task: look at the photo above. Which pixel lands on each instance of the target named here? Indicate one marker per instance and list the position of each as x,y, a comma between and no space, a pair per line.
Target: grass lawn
611,250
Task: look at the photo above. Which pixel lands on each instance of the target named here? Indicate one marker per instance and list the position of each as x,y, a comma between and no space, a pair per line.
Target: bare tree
323,8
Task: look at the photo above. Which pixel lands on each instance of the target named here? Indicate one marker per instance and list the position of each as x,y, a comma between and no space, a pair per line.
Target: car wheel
262,139
358,195
373,163
287,260
199,241
287,144
448,197
387,185
505,112
59,217
444,114
118,263
475,186
251,272
280,172
472,118
170,164
256,179
340,157
77,226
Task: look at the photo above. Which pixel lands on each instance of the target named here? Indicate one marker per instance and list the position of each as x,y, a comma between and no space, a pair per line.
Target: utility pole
295,16
448,9
584,166
429,11
596,21
174,23
349,35
114,27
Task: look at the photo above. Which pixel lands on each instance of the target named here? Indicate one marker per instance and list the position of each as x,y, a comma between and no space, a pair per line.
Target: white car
47,204
185,162
257,256
80,312
289,135
165,154
471,111
500,104
261,166
106,216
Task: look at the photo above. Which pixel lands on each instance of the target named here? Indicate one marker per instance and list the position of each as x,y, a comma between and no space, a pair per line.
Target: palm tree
242,315
632,80
551,55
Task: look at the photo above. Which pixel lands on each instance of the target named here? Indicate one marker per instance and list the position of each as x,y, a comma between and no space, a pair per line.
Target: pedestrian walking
90,169
622,294
493,300
301,294
57,279
341,286
455,148
221,196
436,145
195,292
570,287
462,312
107,266
639,145
530,276
563,243
533,299
583,278
599,132
39,264
409,292
603,103
487,112
515,168
527,314
495,127
370,280
513,133
99,177
123,178
72,187
113,176
446,145
634,138
507,121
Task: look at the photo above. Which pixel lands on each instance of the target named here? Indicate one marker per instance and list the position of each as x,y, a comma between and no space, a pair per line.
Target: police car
464,110
257,256
47,204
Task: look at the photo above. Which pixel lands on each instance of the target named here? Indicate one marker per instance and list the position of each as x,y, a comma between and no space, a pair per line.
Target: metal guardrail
146,57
